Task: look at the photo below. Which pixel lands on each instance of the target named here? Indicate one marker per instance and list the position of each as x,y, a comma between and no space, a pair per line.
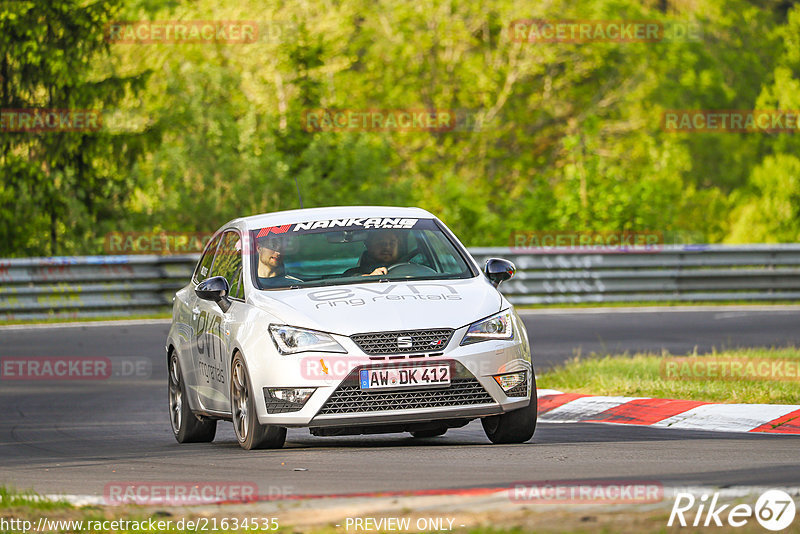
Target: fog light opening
297,396
508,381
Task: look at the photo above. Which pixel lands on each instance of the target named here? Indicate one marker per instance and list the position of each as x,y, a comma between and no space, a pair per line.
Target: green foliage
773,214
15,500
769,209
57,187
551,135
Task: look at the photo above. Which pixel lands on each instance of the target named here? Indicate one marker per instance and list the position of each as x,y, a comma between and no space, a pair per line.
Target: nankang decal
362,222
274,229
355,223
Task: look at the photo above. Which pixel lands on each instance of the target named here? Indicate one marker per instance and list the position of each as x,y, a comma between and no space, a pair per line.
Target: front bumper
338,400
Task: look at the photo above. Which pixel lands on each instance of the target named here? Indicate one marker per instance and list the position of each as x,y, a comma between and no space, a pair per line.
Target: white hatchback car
346,320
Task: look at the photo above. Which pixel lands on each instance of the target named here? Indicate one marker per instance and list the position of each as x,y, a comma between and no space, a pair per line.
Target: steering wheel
407,257
409,269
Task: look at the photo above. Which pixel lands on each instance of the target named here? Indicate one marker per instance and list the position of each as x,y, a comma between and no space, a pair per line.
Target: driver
383,250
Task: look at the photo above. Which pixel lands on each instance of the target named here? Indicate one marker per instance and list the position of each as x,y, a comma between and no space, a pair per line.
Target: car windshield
350,251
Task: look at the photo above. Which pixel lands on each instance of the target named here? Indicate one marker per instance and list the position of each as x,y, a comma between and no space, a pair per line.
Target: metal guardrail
673,273
102,286
91,286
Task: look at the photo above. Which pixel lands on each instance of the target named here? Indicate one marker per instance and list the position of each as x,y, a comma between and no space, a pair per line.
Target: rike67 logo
774,510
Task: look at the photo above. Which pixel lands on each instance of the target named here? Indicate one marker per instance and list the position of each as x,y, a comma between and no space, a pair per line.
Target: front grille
405,356
350,398
403,341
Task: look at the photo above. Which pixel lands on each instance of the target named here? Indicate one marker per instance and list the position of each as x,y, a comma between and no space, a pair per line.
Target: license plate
405,377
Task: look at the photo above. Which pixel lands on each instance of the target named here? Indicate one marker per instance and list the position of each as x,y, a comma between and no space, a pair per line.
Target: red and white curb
558,407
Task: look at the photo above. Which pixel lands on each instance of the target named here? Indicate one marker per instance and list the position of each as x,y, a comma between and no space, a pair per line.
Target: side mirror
499,270
216,290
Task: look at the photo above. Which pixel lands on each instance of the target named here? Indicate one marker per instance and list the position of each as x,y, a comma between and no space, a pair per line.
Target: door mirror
216,290
499,270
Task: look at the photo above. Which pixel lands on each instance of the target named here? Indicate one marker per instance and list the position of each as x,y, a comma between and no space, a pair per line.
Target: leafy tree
769,208
60,188
773,215
550,135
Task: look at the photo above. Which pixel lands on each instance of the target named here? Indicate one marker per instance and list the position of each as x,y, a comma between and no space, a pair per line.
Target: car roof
337,212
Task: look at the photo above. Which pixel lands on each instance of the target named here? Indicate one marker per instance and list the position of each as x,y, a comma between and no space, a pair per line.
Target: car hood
384,306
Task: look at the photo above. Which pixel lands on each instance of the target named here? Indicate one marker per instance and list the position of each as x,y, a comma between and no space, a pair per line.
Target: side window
228,262
237,288
203,269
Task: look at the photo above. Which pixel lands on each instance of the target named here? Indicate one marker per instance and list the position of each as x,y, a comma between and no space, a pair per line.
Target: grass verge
702,378
12,500
498,517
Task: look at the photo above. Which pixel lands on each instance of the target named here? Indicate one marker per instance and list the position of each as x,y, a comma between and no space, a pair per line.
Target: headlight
291,340
499,326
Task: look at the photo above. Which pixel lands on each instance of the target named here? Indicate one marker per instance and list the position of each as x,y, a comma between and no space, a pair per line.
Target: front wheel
186,427
249,432
513,427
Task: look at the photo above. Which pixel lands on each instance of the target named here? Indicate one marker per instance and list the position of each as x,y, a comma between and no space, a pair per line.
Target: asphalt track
77,437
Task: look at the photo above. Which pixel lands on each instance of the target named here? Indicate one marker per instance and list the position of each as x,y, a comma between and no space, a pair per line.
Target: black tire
186,426
249,432
430,433
516,426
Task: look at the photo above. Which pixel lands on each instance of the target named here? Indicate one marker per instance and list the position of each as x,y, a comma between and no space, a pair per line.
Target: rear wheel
513,427
249,432
186,427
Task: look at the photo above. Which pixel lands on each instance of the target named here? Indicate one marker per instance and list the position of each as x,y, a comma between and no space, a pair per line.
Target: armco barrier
98,286
672,273
91,286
